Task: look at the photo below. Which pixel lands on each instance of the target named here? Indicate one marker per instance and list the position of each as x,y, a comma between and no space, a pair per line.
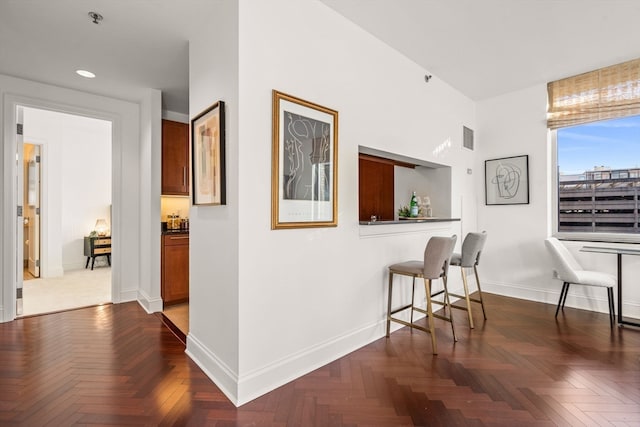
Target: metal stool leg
475,272
413,291
432,327
389,303
448,303
466,296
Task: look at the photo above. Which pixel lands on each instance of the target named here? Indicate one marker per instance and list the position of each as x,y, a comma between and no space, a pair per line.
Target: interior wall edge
150,305
213,367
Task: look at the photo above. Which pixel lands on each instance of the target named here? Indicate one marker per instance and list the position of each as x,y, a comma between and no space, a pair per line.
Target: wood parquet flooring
117,365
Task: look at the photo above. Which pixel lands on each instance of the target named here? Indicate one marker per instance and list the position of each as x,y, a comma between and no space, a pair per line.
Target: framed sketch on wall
208,156
507,181
304,164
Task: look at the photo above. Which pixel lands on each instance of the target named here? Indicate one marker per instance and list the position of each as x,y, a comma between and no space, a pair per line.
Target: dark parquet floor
117,365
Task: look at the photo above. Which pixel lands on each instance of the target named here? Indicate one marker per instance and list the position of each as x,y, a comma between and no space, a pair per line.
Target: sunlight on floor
179,315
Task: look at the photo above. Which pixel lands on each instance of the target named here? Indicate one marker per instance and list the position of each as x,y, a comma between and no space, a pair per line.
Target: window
594,120
598,187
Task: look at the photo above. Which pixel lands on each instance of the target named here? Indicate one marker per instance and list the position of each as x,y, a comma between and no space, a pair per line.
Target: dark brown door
375,189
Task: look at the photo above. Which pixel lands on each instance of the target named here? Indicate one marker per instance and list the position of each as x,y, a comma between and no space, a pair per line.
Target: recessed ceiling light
85,73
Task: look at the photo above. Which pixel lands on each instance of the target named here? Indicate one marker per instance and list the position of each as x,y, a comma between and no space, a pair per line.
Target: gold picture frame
304,164
208,156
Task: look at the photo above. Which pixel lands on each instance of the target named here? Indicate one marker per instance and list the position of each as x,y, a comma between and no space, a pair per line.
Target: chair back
564,264
437,255
471,248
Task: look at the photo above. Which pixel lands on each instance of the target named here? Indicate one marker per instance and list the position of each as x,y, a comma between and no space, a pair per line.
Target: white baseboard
150,305
581,297
263,380
260,381
128,295
214,368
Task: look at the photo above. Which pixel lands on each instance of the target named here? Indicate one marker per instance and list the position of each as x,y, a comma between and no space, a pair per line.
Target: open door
19,209
32,209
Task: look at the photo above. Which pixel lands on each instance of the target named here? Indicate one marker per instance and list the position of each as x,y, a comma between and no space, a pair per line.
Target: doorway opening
65,187
31,212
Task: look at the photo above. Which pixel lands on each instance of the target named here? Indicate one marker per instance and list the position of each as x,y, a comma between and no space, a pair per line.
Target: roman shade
606,93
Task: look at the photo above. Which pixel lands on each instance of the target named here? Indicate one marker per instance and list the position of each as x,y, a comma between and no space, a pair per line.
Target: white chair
567,269
435,265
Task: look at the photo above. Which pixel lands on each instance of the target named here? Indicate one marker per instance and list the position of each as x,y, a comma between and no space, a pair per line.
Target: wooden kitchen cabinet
175,158
175,268
375,195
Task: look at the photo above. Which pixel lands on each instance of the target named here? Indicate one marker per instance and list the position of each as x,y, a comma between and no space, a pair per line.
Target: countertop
181,231
409,221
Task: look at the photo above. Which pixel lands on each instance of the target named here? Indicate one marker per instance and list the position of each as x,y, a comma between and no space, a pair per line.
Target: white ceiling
486,48
482,48
139,44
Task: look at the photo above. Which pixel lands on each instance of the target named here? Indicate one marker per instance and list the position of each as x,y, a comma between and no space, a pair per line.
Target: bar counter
410,221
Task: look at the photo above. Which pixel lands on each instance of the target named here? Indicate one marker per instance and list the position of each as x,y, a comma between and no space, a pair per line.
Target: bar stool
434,266
470,257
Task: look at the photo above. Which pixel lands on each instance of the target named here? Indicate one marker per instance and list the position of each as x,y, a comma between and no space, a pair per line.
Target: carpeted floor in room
77,288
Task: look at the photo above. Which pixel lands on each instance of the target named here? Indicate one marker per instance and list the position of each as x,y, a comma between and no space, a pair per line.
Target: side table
97,246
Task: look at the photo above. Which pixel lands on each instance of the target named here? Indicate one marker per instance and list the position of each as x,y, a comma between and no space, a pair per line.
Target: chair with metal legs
435,265
469,258
567,269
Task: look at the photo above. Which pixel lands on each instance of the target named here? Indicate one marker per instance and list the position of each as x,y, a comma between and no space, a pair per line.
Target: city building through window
598,182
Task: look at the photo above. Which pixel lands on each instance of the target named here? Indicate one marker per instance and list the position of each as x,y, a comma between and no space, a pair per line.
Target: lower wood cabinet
175,268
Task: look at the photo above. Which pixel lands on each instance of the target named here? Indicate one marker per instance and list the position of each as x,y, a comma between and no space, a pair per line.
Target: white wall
308,296
268,306
126,183
515,262
76,181
213,243
149,294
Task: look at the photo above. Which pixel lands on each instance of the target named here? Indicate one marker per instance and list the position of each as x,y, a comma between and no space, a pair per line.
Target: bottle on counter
413,206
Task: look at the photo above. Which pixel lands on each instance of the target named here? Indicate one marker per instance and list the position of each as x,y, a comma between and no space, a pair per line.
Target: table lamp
101,227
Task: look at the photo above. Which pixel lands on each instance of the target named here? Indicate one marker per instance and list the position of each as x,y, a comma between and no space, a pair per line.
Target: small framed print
507,181
208,156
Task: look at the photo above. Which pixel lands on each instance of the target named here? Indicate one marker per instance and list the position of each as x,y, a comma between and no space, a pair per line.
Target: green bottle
413,206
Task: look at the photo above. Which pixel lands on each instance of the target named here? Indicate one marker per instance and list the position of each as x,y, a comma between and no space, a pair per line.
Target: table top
610,250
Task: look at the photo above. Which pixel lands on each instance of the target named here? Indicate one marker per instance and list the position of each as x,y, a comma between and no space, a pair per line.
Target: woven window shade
607,93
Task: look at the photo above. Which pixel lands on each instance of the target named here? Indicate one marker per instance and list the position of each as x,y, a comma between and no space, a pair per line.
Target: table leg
619,289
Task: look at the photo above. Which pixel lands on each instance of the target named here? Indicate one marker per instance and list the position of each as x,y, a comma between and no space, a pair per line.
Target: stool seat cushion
409,268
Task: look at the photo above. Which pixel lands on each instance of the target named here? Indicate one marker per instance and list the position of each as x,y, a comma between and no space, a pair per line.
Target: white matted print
507,181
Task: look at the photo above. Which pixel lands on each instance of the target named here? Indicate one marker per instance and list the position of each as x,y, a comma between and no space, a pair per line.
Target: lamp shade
101,227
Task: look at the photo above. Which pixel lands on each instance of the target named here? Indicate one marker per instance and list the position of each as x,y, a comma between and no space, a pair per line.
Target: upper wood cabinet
175,158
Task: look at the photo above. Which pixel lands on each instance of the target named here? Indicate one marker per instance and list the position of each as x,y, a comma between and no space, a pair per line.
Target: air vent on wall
467,138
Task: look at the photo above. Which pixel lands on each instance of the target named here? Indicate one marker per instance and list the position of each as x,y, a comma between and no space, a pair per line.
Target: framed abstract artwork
507,181
304,164
208,156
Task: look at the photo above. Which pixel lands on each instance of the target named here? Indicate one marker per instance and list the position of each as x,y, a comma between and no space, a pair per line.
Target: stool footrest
411,325
401,309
